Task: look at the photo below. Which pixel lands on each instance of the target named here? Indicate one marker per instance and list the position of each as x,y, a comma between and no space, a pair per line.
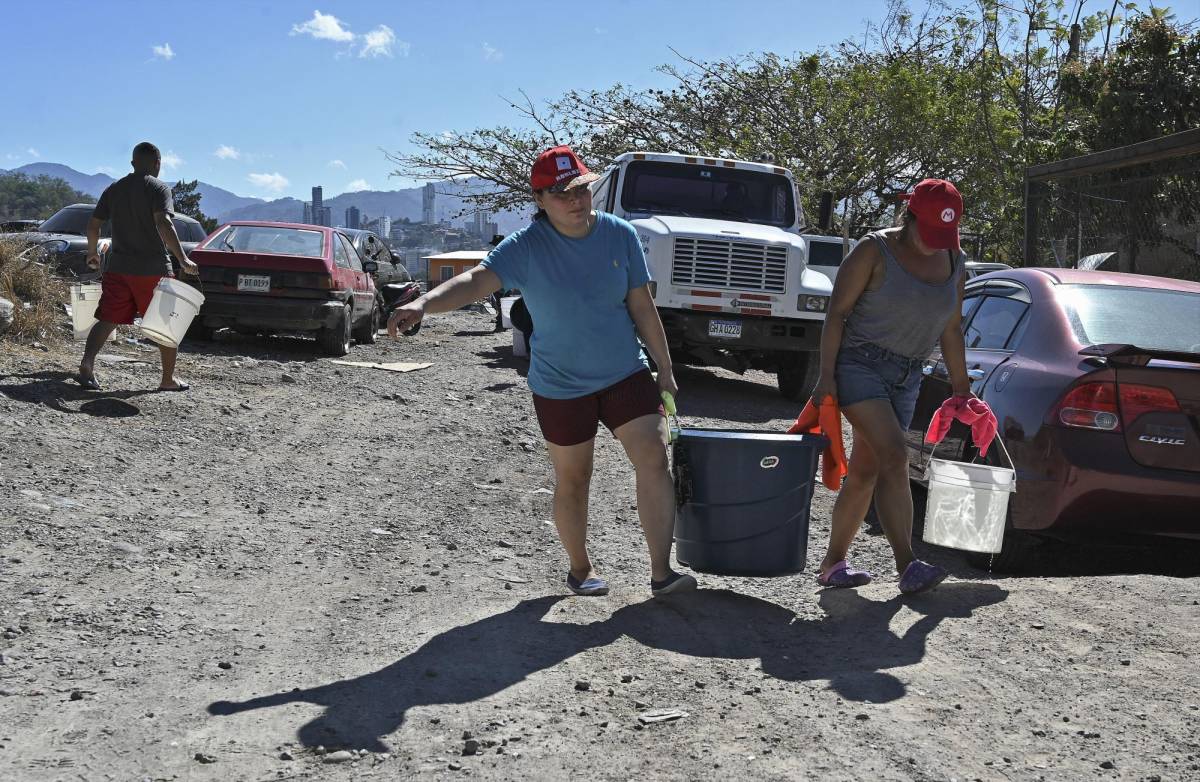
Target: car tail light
1089,406
1136,400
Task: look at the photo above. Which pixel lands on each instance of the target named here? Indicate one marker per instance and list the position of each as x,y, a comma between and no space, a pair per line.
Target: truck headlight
812,303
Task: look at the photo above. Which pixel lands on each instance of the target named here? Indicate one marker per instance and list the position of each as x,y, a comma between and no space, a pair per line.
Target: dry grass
24,282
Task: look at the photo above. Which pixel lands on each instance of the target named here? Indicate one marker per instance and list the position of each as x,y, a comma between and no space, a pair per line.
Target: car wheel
797,375
335,340
367,333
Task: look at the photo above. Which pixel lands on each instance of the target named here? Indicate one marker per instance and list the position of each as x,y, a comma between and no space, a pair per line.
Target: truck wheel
797,375
335,340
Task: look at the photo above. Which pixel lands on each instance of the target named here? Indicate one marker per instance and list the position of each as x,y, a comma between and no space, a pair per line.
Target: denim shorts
868,371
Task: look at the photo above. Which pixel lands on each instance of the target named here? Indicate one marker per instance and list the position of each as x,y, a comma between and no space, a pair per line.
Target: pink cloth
973,412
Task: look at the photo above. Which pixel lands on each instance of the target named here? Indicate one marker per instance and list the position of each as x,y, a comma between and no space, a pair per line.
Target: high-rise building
308,213
352,217
428,196
324,216
481,224
385,226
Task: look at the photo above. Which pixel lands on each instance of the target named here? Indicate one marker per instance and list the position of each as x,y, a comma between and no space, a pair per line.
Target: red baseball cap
938,207
558,169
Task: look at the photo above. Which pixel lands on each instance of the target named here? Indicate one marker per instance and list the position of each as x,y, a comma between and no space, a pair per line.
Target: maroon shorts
575,421
124,297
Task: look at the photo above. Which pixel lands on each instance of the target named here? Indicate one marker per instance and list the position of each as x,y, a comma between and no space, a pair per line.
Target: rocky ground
300,570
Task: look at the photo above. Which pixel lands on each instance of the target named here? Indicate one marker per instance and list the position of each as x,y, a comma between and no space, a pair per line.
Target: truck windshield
709,191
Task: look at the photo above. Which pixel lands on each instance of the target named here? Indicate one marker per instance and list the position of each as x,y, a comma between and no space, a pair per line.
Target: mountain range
225,206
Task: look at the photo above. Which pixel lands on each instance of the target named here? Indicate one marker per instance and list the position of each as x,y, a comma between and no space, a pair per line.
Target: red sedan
1095,380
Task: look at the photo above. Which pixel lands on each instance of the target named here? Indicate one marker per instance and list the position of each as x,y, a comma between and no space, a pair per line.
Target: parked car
1095,380
265,277
396,286
63,238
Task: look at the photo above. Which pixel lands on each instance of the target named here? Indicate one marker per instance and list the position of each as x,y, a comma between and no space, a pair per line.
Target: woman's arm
852,279
954,350
472,285
649,327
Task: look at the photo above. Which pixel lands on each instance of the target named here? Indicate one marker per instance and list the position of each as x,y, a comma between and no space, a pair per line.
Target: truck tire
797,375
335,340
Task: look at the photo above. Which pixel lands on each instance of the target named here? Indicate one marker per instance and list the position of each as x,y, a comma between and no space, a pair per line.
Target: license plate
253,282
725,329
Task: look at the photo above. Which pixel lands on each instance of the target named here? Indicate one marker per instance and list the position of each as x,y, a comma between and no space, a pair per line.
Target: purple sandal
842,575
921,577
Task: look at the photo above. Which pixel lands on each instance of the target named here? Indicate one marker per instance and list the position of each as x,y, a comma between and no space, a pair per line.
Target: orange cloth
825,421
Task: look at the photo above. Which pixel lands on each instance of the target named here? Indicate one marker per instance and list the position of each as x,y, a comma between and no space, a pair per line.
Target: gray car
63,238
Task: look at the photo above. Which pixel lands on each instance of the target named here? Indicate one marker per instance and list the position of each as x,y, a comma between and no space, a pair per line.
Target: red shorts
124,297
575,421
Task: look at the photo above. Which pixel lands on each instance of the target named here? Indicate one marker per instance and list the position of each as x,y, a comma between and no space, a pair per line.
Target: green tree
187,202
23,197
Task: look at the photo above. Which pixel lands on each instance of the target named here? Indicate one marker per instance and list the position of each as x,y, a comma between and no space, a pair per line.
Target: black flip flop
180,387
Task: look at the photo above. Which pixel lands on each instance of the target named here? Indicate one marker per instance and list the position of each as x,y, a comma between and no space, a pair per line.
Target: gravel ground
300,570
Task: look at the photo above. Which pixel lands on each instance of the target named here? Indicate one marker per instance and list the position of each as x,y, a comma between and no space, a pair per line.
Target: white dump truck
729,267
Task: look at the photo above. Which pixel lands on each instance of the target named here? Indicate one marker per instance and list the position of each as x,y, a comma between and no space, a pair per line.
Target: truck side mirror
825,210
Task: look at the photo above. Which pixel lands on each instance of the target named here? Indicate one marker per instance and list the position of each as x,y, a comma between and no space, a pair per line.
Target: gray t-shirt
130,203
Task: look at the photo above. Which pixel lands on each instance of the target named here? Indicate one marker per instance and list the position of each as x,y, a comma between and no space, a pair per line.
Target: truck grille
743,266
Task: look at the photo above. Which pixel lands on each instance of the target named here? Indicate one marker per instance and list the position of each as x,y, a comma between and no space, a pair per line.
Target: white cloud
163,52
274,183
171,160
337,164
356,185
33,152
379,43
326,27
491,53
226,152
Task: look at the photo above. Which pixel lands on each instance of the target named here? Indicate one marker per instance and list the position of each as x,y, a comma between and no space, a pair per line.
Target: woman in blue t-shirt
584,279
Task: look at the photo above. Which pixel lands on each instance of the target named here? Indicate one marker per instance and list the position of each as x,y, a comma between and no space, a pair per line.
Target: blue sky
269,98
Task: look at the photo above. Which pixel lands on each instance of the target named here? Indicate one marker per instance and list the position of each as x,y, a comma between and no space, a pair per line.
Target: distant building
352,217
385,226
397,232
308,214
428,196
444,266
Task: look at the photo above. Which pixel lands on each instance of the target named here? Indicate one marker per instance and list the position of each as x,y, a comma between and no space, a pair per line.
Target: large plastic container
743,499
85,297
506,304
171,311
968,505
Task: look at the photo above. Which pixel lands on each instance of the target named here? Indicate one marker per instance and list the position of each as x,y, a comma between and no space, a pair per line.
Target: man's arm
166,230
93,238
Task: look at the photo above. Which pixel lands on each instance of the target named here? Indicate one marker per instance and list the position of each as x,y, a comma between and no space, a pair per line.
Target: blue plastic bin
743,500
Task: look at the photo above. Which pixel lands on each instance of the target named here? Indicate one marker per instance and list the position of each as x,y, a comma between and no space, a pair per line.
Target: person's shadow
60,391
851,646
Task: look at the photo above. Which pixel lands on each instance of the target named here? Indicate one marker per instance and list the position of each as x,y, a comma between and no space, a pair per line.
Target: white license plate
725,329
253,282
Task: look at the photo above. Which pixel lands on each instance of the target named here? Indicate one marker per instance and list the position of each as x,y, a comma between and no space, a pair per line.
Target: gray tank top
905,315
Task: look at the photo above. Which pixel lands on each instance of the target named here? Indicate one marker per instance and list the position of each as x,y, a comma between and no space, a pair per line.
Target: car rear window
1146,317
188,231
269,240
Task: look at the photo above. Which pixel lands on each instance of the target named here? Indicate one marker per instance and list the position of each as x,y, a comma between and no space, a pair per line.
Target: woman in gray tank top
896,295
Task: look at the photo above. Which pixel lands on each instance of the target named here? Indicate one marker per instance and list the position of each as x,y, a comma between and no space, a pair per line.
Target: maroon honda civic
1094,378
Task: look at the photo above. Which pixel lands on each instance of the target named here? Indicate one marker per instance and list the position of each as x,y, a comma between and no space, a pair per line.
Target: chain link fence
1140,217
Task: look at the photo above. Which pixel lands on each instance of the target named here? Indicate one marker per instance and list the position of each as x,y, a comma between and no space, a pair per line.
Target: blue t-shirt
583,337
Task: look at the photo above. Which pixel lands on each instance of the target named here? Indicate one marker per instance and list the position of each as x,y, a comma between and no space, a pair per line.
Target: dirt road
300,570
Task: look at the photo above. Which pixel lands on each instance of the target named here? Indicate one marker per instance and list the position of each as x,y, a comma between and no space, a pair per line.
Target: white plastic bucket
968,504
520,349
85,297
171,310
506,305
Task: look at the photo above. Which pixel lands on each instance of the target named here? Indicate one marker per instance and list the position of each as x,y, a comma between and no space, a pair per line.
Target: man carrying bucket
140,208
